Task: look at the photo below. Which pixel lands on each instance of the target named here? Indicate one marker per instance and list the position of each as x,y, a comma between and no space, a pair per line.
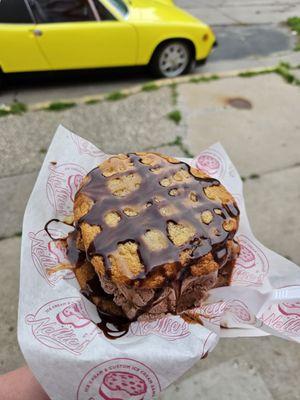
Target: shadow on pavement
72,78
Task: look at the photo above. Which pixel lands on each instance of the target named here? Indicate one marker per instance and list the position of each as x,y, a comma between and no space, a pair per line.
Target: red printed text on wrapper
252,265
283,317
119,378
63,324
48,254
214,313
211,313
62,184
169,328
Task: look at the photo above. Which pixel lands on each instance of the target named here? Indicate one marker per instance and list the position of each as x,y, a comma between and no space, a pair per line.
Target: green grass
204,79
175,116
3,113
18,108
250,74
187,153
149,87
284,64
92,101
114,96
60,106
283,70
15,108
176,142
294,24
174,93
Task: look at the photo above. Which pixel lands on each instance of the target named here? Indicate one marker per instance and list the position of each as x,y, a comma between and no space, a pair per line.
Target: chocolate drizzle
75,255
46,228
209,237
119,323
93,288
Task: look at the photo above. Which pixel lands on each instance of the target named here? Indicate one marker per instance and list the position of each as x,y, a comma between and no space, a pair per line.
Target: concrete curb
123,93
159,83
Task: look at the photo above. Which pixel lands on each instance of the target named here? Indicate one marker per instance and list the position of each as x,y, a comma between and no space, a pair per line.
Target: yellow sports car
41,35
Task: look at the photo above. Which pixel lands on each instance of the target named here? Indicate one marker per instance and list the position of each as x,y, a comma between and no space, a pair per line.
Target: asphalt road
250,34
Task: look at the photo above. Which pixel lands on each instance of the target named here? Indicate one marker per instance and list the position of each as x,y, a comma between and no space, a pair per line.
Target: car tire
2,80
171,59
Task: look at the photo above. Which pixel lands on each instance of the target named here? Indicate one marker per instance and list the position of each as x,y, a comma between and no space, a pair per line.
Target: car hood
158,11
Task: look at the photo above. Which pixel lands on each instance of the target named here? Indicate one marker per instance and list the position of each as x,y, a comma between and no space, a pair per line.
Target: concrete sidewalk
263,139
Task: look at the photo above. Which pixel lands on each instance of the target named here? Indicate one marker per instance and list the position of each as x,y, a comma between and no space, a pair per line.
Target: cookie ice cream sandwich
152,235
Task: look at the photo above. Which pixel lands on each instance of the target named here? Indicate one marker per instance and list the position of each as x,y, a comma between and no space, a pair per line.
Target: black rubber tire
2,81
154,63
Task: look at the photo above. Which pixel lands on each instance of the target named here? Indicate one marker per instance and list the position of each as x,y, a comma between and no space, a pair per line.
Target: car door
19,50
80,34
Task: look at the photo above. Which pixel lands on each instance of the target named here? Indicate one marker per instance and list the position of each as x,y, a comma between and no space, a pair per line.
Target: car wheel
172,59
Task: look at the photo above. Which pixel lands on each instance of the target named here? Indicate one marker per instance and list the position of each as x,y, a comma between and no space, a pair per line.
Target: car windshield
120,6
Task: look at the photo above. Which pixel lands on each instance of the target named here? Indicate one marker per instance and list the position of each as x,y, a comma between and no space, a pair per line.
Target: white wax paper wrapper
57,333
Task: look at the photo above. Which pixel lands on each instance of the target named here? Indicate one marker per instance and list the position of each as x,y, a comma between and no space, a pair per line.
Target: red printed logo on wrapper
49,255
283,317
85,147
62,184
169,328
214,313
252,265
119,379
290,309
63,324
211,162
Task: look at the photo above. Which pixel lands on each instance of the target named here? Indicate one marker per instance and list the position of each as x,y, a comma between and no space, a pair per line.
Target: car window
47,11
120,6
14,11
103,12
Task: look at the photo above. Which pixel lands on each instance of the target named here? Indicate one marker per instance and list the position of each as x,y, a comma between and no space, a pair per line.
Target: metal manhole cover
240,103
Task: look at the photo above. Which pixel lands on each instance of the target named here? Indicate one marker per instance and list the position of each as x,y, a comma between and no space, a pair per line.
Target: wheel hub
174,59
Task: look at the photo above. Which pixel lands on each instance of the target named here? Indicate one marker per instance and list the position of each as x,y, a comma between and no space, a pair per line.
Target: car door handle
37,32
